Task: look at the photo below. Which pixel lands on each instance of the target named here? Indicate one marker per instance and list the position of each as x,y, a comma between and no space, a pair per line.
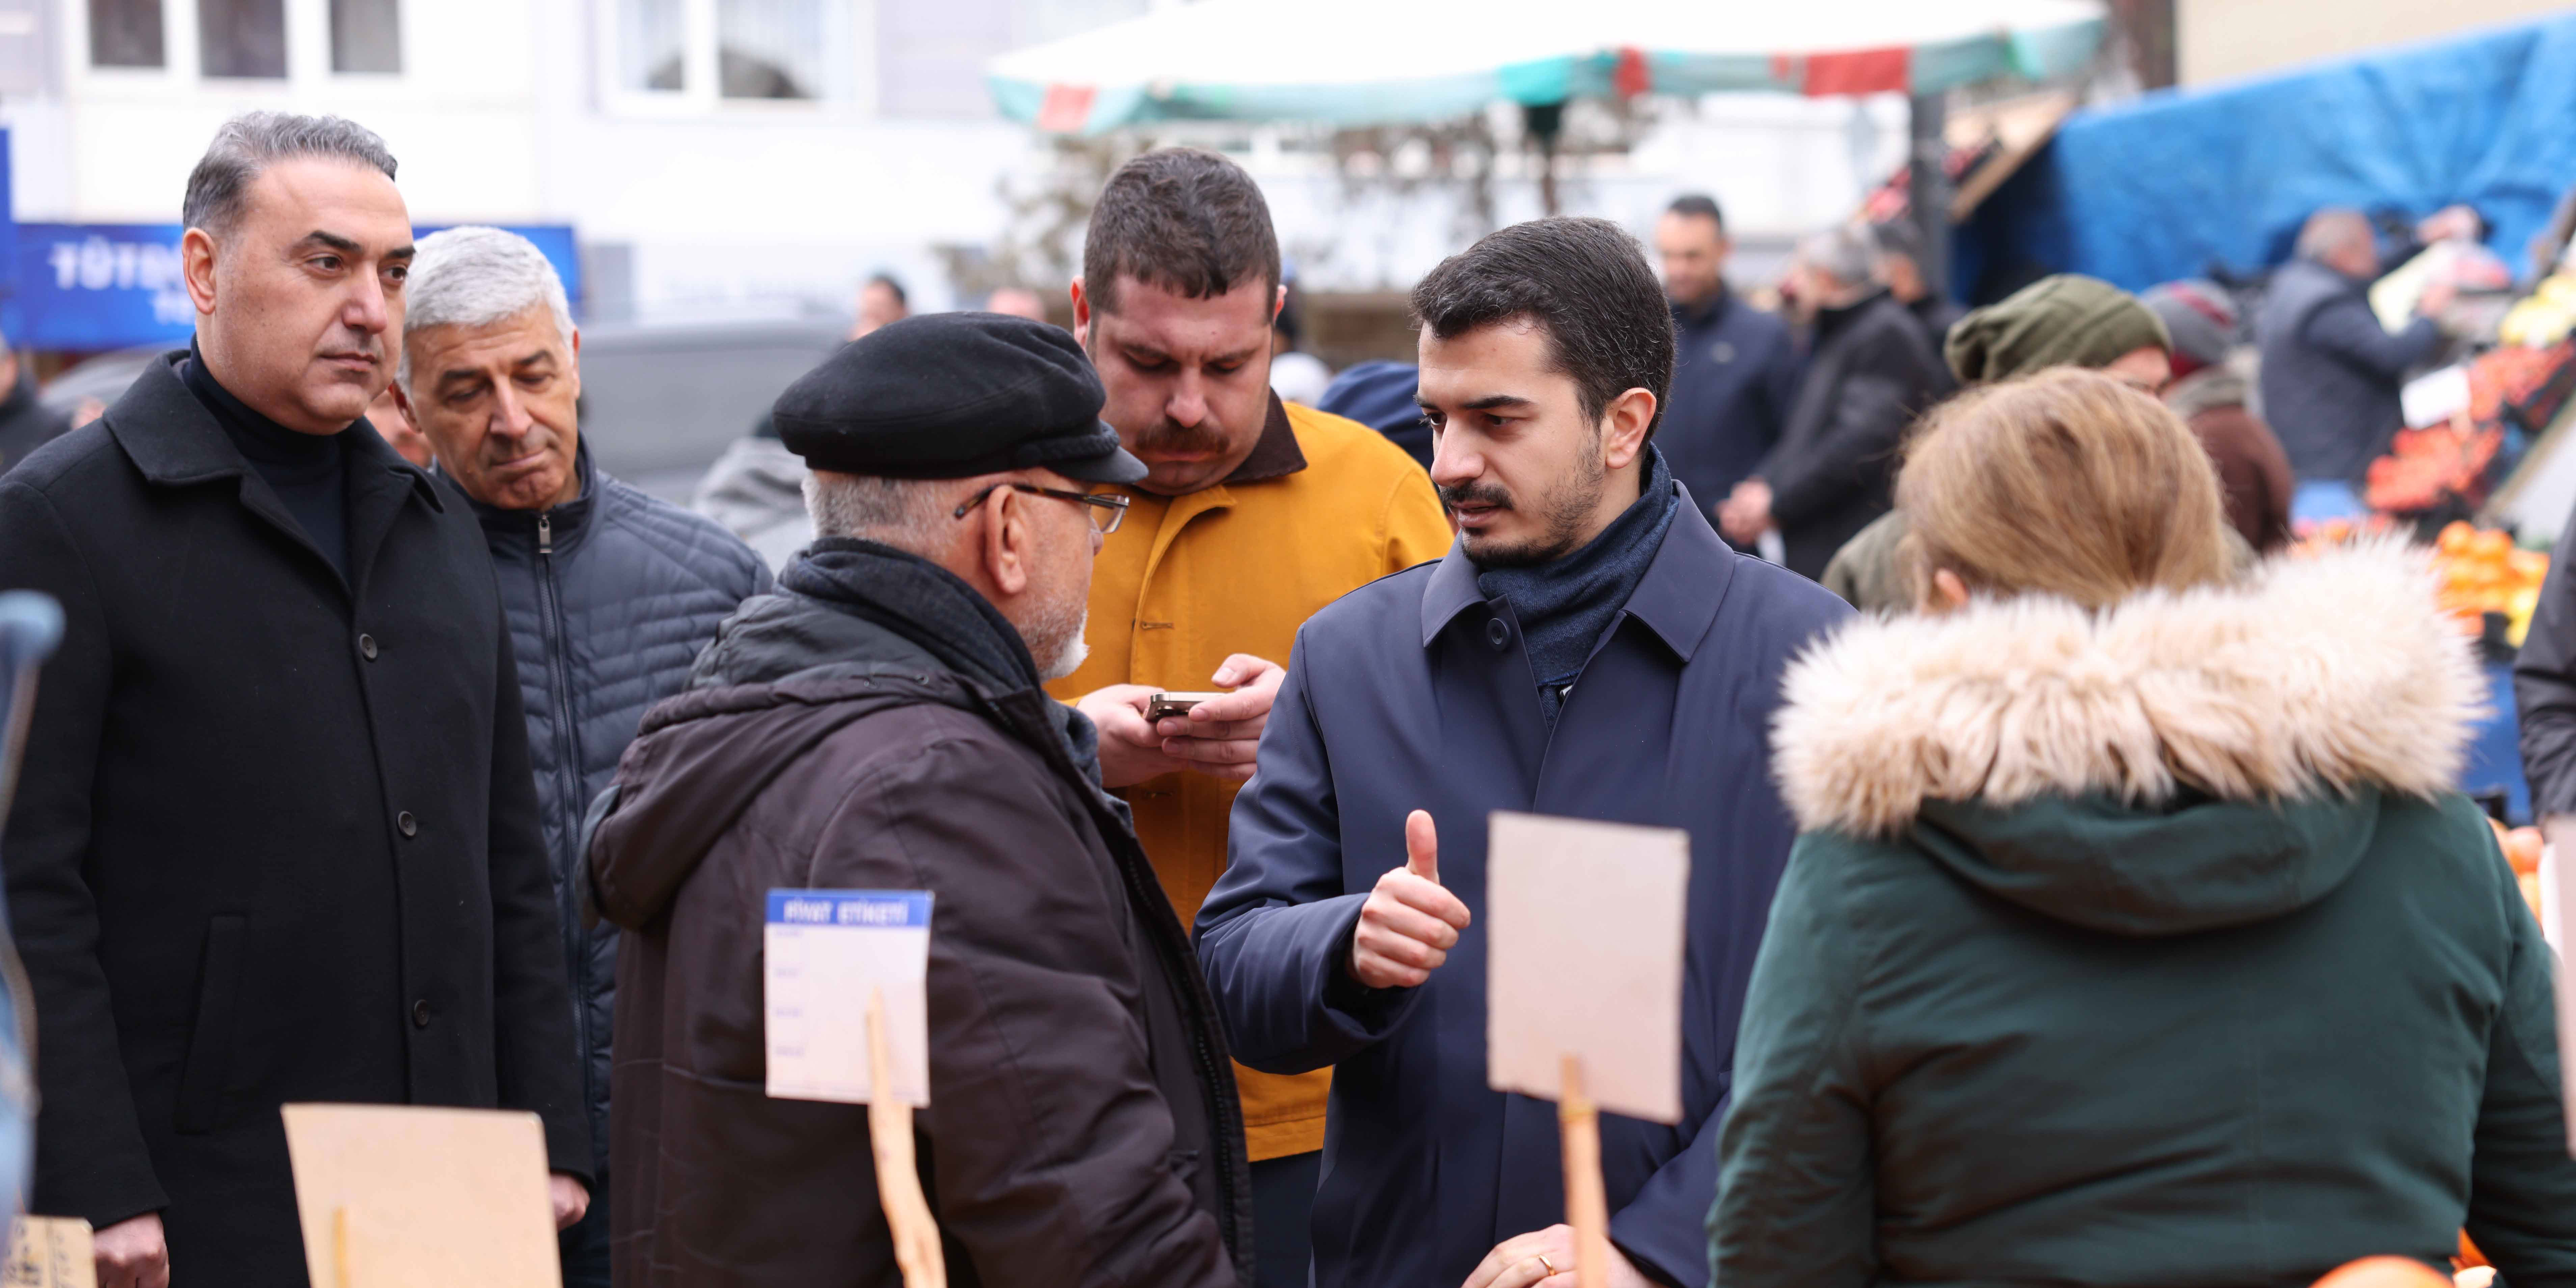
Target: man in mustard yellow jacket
1255,515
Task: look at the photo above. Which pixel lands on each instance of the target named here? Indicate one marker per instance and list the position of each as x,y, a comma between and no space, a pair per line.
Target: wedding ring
1547,1265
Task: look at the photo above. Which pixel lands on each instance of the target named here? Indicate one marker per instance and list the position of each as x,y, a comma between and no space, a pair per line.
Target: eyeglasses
1107,512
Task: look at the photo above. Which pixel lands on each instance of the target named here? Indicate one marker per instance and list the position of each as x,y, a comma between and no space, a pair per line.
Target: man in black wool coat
275,840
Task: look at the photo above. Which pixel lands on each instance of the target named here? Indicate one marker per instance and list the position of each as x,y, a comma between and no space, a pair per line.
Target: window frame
308,58
403,49
286,51
79,17
701,92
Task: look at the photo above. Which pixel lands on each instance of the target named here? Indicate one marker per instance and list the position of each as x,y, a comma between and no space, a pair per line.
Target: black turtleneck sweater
309,472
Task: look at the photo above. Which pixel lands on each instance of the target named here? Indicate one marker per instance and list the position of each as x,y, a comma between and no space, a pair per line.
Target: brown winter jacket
1082,1128
2253,472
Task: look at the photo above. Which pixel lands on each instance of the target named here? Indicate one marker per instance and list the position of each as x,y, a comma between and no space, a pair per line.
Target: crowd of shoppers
1735,367
2331,372
2051,921
2063,321
1871,369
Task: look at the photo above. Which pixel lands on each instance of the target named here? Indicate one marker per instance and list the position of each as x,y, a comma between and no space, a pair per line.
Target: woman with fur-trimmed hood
2135,934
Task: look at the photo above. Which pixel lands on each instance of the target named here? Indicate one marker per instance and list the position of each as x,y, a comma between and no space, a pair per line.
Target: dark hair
1182,219
1585,282
1898,237
219,187
887,281
1698,205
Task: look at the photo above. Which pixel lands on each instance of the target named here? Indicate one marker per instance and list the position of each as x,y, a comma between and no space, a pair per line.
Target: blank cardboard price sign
1584,923
405,1196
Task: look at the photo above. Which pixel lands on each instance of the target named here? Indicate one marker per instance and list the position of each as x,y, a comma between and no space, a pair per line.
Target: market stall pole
1928,186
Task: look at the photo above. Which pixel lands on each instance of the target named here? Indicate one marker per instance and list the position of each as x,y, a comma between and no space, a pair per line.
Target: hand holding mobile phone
1165,706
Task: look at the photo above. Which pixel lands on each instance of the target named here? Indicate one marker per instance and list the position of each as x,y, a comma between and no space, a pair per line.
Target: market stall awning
1360,62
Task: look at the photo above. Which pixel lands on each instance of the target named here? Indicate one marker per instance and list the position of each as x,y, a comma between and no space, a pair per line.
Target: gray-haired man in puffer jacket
611,594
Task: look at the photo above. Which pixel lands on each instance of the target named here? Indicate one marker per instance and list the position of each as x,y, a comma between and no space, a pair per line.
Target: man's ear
1009,542
1623,428
1081,316
197,267
402,403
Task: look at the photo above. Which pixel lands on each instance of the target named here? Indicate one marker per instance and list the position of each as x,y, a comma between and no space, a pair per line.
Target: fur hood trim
2310,674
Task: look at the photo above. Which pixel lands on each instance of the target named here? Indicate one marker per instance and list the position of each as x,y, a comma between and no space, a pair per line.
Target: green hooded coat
2143,947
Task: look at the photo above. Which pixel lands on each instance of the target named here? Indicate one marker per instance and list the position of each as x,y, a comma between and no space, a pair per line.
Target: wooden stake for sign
1587,1209
340,1275
907,1212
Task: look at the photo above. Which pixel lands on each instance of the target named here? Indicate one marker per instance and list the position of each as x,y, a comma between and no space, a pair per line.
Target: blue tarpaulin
2167,185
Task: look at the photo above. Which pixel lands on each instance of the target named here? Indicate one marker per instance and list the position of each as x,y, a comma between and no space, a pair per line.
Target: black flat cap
951,396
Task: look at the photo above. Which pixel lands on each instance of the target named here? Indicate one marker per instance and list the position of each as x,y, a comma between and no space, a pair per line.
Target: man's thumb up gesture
1409,923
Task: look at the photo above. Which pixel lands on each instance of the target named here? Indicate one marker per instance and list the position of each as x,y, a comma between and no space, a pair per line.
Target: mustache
1454,495
1168,435
355,342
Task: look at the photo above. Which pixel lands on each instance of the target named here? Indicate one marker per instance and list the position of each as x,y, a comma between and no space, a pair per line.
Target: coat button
1498,634
410,826
420,1014
367,647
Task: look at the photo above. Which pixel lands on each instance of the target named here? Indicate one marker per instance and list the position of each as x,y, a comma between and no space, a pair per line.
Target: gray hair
1842,252
476,276
917,516
904,513
219,187
2330,230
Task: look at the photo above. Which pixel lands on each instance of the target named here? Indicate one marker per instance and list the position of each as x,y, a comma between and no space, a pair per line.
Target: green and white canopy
1363,62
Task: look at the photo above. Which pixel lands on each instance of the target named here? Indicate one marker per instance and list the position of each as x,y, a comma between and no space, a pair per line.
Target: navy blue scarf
1566,605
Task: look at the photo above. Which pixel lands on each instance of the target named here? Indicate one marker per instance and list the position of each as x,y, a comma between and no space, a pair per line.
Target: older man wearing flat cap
878,723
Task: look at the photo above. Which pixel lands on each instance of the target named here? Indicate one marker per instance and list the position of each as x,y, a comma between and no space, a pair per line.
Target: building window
652,45
125,33
770,48
366,36
245,38
691,55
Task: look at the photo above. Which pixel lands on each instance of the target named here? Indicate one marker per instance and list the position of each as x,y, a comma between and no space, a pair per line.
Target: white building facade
736,158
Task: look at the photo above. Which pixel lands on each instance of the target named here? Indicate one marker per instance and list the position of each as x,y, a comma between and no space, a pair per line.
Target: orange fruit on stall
2384,1272
2522,848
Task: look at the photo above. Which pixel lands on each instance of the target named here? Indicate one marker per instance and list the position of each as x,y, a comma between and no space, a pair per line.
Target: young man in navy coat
1588,648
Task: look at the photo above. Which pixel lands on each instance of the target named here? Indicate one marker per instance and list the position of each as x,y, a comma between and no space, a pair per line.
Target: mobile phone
1164,706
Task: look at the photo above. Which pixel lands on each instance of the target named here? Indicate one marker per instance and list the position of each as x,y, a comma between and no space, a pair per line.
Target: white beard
1059,647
